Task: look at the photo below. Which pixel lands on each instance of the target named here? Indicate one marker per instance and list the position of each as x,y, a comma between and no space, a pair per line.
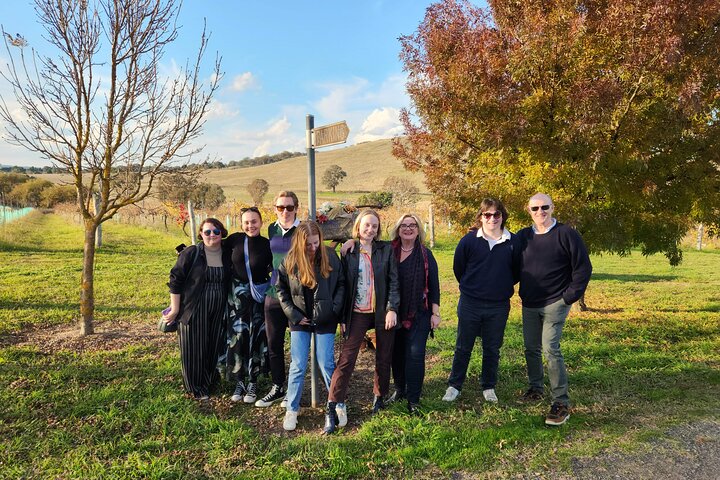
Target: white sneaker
283,404
290,421
341,410
490,396
451,394
251,394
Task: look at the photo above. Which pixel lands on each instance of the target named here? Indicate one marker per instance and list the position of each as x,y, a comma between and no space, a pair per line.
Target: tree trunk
87,288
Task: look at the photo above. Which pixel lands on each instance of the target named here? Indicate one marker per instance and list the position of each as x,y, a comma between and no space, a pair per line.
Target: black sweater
484,274
555,265
260,257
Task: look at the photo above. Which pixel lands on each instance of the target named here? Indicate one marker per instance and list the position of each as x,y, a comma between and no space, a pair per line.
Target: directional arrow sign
330,134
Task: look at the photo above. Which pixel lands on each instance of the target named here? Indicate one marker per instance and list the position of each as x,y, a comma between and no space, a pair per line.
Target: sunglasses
214,231
536,208
489,215
282,208
408,226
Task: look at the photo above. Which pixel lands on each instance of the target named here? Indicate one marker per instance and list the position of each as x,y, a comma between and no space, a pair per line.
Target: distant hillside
367,165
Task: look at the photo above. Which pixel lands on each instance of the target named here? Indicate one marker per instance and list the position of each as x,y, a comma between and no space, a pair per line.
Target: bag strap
257,296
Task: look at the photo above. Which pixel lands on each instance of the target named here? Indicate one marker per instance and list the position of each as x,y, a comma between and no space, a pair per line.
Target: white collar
546,231
505,236
284,231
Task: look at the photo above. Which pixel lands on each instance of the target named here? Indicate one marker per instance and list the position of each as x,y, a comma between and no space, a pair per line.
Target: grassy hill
367,165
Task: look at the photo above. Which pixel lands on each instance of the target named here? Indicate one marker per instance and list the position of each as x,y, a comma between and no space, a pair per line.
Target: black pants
479,319
276,324
408,365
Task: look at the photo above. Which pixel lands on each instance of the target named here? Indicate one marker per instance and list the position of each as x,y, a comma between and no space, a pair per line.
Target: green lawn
645,356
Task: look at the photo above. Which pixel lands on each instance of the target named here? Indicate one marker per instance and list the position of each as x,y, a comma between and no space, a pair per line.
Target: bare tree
100,108
404,192
257,190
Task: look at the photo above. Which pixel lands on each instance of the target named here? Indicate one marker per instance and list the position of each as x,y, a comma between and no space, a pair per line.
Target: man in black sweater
555,272
486,265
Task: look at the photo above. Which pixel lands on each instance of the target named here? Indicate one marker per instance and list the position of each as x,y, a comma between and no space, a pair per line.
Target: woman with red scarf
419,311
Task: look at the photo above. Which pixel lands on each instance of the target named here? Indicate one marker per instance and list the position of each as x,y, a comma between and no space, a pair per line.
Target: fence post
701,230
191,216
431,219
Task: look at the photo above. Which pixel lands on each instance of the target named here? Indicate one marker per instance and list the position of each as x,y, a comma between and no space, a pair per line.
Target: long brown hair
297,258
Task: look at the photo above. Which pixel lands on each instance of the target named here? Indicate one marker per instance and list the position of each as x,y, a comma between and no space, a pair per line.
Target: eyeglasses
536,208
214,231
489,215
408,226
282,208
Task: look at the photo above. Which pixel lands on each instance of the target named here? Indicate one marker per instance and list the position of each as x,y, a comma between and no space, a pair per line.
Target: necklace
407,249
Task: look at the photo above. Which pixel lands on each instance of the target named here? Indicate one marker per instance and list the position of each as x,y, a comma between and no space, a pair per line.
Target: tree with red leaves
612,108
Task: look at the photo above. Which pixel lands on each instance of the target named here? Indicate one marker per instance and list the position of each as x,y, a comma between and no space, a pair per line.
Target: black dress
202,338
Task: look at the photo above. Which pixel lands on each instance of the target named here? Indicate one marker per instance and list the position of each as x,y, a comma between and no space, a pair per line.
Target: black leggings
276,324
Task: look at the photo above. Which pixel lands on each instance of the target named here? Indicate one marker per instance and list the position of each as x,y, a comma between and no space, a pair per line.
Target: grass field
645,356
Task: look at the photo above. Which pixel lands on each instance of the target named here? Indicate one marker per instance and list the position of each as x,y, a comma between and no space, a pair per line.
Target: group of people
235,296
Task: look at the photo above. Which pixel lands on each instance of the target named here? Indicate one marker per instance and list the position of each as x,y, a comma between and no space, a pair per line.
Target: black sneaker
396,396
277,392
414,409
532,395
558,415
331,419
378,404
239,392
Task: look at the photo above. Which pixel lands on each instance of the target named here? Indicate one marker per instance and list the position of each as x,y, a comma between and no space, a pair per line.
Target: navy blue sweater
555,265
484,274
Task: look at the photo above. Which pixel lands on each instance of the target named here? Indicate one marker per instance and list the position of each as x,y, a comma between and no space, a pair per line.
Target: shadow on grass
633,277
14,247
11,305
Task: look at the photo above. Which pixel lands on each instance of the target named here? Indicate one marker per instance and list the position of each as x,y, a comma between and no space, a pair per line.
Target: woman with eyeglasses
487,267
419,311
198,296
280,234
311,289
371,302
247,353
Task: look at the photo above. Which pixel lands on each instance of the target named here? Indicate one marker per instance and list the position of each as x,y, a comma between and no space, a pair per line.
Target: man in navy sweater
555,272
486,265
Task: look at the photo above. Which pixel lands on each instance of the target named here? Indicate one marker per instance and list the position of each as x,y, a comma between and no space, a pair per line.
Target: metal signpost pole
309,125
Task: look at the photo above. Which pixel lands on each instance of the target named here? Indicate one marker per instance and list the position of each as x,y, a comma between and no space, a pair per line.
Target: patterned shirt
365,294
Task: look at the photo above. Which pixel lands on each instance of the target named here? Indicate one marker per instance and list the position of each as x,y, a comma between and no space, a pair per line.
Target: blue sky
337,60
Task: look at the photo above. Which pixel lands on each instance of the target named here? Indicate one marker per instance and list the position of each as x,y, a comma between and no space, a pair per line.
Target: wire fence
9,214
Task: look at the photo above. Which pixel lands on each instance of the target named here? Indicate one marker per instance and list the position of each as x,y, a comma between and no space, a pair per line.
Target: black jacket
189,283
387,287
328,298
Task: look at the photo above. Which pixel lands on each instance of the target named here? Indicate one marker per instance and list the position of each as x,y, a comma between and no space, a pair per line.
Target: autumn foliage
611,107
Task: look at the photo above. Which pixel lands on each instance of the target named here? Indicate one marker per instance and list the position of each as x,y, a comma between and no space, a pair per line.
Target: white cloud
243,82
381,123
262,149
221,110
340,98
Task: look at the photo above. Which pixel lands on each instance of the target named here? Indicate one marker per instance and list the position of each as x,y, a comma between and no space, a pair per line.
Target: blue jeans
486,320
299,353
542,329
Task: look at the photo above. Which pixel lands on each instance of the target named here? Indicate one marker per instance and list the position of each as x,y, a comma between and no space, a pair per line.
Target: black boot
378,404
331,418
414,409
396,396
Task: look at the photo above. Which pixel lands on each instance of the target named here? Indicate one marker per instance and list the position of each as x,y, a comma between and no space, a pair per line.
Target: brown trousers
360,323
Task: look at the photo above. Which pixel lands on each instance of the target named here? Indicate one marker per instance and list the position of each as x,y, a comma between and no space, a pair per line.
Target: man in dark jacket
555,272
